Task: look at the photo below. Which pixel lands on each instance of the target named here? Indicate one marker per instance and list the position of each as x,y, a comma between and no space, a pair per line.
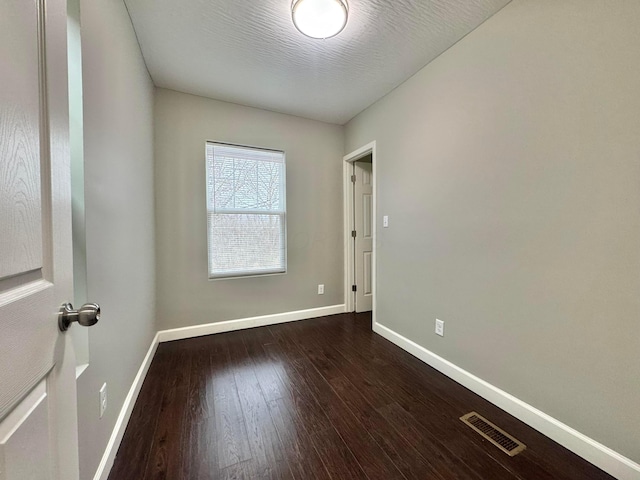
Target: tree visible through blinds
246,211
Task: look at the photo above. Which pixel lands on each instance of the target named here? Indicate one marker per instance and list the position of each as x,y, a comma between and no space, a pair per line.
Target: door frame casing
349,225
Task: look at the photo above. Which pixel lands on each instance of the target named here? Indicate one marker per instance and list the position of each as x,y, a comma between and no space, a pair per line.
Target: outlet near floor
440,327
103,399
320,289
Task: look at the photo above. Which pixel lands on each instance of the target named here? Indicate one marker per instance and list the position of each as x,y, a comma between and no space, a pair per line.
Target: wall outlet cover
440,327
321,289
103,399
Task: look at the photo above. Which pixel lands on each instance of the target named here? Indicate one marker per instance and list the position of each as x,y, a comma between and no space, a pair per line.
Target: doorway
360,229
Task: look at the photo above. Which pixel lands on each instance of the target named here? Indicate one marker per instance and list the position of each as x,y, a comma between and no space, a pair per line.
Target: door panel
367,216
363,214
366,264
27,341
20,209
29,422
38,424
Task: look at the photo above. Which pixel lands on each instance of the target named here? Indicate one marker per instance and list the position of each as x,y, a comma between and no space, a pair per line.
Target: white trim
125,413
361,152
594,452
349,295
240,324
349,254
80,369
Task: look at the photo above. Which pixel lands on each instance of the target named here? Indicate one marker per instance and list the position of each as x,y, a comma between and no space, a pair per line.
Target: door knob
87,315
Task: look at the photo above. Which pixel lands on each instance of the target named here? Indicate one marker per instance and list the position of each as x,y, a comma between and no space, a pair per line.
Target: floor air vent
495,435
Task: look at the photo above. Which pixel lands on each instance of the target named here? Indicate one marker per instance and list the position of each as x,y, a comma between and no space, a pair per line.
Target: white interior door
363,215
38,417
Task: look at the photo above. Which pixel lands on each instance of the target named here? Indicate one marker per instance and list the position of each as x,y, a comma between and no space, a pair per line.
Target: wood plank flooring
313,400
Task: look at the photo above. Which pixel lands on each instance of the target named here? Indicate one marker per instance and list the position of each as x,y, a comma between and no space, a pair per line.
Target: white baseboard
240,324
125,413
603,457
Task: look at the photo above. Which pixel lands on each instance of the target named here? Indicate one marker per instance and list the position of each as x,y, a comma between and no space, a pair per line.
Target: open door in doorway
363,222
38,415
360,230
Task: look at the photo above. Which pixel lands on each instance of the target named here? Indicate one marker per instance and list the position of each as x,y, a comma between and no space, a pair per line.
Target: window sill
252,275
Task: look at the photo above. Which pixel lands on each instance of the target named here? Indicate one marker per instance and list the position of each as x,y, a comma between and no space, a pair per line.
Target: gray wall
118,128
510,169
183,123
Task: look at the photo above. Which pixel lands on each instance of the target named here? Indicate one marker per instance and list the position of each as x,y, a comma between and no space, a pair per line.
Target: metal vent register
494,434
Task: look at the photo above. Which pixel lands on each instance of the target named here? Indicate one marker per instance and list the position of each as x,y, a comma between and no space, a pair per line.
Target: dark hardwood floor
318,399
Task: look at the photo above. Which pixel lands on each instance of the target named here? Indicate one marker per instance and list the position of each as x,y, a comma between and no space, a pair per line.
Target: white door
363,214
38,417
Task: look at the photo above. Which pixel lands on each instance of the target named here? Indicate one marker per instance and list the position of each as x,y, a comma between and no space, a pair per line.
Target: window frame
283,215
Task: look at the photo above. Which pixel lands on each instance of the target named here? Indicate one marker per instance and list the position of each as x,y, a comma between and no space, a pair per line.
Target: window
246,211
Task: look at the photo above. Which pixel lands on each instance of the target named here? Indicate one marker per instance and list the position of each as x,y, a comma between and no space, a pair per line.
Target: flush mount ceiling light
320,18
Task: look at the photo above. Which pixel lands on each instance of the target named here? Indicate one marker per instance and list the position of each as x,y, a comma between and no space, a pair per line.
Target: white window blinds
246,211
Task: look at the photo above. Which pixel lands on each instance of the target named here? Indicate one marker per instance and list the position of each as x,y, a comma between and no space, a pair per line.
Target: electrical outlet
321,289
103,399
440,327
385,221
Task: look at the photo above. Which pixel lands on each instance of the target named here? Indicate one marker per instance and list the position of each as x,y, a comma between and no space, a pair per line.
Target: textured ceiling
249,52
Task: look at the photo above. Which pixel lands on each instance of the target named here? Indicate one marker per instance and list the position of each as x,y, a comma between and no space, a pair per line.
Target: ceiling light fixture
320,18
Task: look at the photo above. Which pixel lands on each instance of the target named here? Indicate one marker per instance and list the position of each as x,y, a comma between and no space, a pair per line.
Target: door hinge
354,288
353,233
353,179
